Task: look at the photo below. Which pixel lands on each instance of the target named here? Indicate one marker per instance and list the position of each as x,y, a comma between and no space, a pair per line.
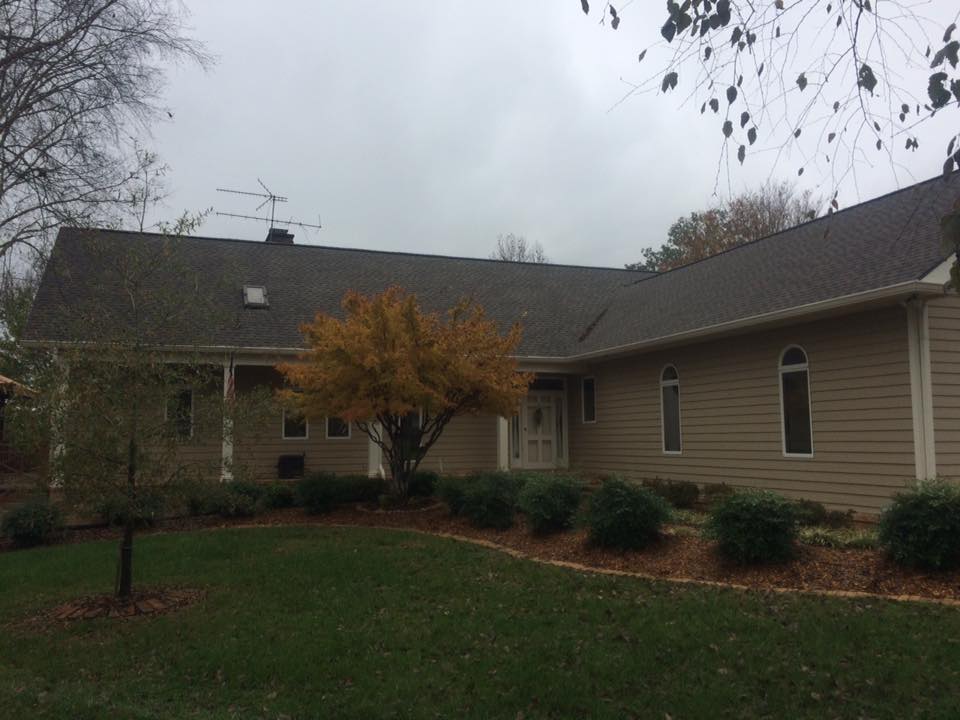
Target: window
588,397
670,409
295,425
795,403
179,414
254,296
337,429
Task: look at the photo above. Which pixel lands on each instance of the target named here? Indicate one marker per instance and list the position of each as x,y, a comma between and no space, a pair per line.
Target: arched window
670,409
795,402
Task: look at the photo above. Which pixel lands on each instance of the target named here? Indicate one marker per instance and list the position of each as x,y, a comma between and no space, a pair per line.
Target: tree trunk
125,576
125,571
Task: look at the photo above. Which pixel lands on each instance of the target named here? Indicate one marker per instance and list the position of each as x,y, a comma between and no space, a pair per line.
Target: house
820,362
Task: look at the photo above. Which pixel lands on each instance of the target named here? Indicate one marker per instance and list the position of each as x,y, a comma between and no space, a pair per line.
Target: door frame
561,461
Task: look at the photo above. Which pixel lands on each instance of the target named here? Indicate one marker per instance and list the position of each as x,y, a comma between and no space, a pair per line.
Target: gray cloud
432,127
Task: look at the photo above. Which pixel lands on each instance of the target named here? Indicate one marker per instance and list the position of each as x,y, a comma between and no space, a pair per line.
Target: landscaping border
580,567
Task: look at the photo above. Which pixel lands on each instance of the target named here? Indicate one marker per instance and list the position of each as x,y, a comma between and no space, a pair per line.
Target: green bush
715,492
754,526
838,519
145,508
236,504
321,492
922,526
252,490
359,488
813,514
625,516
490,499
35,522
203,498
810,513
279,495
423,484
451,490
679,493
549,503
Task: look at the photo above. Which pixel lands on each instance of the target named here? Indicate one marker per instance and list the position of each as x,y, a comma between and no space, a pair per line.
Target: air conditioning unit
291,467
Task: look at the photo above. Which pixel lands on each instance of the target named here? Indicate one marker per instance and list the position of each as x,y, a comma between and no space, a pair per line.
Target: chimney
279,236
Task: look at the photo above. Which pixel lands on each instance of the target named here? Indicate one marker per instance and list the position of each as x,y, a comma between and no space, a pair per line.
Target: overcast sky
435,126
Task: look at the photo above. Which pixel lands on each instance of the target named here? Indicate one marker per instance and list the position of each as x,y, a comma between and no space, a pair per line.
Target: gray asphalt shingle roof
565,310
889,240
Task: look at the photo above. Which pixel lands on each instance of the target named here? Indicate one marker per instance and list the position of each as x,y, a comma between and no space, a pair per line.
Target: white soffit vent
255,296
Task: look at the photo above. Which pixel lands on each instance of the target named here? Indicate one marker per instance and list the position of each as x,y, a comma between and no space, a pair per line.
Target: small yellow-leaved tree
401,374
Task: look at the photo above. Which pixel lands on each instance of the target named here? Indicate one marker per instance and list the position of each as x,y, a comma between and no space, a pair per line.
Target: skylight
254,296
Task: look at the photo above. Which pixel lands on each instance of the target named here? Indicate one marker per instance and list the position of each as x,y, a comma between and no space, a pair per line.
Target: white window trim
166,411
663,427
583,404
283,428
804,367
326,430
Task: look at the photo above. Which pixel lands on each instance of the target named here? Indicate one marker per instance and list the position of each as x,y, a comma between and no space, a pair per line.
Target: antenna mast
268,197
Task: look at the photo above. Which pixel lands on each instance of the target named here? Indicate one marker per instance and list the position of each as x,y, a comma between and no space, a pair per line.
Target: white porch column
921,389
226,450
374,456
503,443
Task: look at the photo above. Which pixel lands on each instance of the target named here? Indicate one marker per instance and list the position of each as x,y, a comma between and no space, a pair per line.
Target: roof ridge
822,218
406,253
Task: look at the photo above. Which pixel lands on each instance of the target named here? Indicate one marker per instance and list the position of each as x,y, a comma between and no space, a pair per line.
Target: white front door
541,424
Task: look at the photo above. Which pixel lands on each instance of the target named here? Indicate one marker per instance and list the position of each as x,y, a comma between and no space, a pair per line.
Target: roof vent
255,296
279,236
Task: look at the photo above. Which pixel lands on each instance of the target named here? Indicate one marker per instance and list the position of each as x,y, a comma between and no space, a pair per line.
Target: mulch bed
676,556
148,601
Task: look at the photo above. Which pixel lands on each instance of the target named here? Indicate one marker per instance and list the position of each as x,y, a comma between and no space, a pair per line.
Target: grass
337,623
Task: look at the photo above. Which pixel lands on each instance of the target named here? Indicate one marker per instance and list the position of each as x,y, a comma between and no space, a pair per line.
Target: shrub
922,526
317,492
251,490
625,516
279,495
145,509
549,503
237,504
679,493
35,522
754,526
323,491
489,500
423,484
837,519
451,491
358,488
715,492
203,498
810,512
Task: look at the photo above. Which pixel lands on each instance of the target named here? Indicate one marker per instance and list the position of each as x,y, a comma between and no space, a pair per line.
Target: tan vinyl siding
468,444
730,413
256,452
944,328
202,455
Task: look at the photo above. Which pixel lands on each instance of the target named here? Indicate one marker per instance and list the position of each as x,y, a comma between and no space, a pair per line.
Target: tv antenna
269,197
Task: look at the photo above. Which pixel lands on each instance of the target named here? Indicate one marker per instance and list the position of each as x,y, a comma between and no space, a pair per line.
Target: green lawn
330,623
